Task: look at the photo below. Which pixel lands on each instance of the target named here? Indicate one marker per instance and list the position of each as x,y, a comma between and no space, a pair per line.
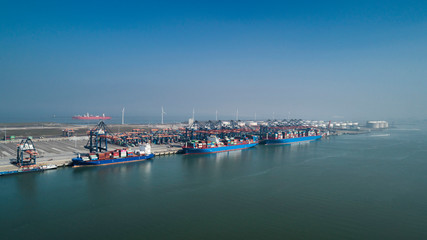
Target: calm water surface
370,186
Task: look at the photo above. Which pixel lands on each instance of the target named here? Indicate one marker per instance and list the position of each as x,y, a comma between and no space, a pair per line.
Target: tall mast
163,112
123,116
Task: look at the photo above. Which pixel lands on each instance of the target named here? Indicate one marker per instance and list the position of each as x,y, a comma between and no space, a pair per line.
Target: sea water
368,186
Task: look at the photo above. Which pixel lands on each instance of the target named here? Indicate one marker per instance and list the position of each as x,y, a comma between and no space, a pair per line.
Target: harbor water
368,186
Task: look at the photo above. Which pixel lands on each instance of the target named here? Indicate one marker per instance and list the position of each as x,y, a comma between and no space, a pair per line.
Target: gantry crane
98,138
26,153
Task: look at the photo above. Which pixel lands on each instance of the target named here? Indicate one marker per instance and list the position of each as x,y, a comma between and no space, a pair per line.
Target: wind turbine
193,114
163,112
123,116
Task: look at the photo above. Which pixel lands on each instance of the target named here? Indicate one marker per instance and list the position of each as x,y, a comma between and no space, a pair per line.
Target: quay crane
26,147
98,138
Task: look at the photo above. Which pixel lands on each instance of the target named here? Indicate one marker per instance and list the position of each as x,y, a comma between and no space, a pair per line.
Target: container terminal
42,146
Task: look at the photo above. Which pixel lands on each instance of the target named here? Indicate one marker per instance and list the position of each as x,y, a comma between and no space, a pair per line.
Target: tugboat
48,167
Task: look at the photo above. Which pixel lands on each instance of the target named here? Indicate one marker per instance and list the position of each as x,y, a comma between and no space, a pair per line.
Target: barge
23,169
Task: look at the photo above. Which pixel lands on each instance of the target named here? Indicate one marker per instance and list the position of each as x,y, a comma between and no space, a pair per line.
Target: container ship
113,157
215,145
91,117
291,136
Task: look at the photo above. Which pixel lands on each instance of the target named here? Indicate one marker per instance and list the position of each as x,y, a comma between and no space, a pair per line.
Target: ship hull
81,162
22,170
291,140
218,149
92,118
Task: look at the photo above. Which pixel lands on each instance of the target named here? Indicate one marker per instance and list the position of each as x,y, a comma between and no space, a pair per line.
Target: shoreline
57,149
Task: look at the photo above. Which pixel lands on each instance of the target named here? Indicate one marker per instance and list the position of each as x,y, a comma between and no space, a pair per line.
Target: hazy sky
314,59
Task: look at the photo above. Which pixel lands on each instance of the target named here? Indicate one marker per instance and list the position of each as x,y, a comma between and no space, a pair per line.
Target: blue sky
314,59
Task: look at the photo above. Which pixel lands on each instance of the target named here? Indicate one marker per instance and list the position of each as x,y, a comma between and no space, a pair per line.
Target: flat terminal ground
47,130
53,150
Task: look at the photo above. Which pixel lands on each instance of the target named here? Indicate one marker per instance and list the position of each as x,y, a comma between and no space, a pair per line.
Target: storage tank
377,124
372,124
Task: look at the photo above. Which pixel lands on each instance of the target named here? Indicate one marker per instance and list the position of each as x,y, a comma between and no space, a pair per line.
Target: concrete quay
60,151
161,150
